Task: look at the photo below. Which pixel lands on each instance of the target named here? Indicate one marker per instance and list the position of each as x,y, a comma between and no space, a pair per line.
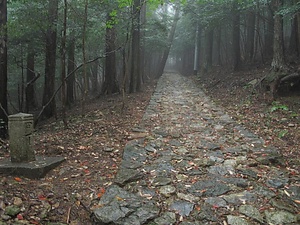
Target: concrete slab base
33,170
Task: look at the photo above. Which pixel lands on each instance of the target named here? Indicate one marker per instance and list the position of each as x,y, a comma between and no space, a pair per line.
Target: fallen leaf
198,208
119,198
34,222
18,179
101,192
20,217
42,197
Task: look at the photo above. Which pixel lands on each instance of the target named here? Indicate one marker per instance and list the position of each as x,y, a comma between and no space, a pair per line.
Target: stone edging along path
194,165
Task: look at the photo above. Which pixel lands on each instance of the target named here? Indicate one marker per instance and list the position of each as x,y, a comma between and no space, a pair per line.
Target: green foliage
277,106
290,9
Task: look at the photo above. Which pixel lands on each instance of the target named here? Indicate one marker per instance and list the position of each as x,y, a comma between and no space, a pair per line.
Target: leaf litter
93,146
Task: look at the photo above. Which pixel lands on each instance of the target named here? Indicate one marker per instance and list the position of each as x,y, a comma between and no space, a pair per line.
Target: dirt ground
92,145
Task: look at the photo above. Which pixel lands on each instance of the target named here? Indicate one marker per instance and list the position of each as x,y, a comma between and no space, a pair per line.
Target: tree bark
71,78
218,45
63,64
269,34
278,62
31,102
3,61
110,85
84,57
236,37
250,35
135,79
293,44
169,41
50,61
196,52
94,78
209,36
298,29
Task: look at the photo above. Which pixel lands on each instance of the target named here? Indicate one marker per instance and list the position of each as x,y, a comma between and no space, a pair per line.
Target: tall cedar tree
278,62
71,75
31,102
3,60
135,78
236,51
50,61
110,85
209,37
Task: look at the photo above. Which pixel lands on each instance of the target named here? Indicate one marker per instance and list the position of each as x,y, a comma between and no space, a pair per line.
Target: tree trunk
293,44
31,102
196,52
84,56
63,63
143,41
278,62
165,55
94,78
269,34
50,61
71,68
236,51
110,85
250,35
218,45
298,30
135,79
209,36
3,69
3,62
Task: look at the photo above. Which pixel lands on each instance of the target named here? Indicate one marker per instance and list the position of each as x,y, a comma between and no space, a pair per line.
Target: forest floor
92,145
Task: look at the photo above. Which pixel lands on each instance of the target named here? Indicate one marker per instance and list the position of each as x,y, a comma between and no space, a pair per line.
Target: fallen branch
3,110
59,87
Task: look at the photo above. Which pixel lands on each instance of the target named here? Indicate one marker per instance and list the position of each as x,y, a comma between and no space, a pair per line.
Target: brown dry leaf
18,179
119,198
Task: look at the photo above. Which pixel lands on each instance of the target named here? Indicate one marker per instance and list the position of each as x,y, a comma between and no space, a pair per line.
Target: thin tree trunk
63,64
196,52
236,37
142,38
71,67
250,35
3,64
84,56
94,78
30,97
169,41
298,30
218,45
50,63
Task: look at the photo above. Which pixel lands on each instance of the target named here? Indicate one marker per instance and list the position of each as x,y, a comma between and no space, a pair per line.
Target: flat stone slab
120,207
33,170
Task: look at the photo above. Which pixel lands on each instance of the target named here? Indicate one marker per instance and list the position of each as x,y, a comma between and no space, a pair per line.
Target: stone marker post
20,128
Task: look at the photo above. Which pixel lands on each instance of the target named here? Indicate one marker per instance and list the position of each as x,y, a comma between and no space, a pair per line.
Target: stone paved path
194,165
